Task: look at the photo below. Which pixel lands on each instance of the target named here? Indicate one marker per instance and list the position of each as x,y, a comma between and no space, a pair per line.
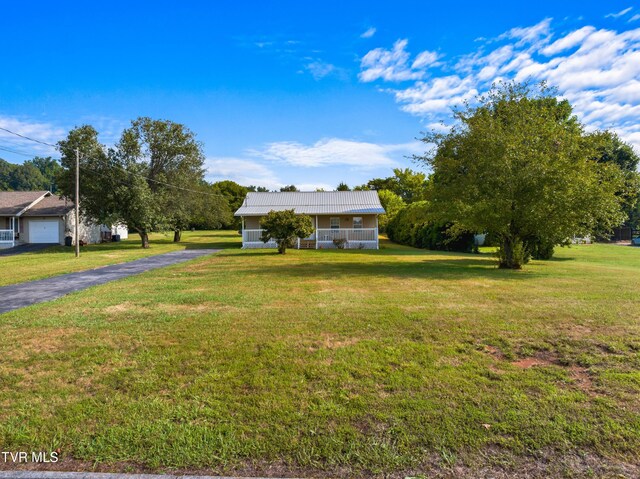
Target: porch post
242,228
316,231
377,239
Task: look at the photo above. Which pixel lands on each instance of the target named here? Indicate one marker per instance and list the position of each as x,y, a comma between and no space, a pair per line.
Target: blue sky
302,93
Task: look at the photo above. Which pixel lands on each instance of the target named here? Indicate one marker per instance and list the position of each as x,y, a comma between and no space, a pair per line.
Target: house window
357,222
334,223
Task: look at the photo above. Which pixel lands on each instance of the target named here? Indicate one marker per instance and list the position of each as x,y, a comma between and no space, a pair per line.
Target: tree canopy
407,184
520,166
32,175
151,180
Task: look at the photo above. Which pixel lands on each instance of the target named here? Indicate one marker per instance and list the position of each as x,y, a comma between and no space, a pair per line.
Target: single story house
348,217
41,217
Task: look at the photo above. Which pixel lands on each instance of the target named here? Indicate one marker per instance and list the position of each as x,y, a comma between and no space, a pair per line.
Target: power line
16,152
136,174
83,167
28,138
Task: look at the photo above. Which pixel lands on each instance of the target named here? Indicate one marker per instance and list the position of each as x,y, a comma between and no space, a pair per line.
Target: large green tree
407,184
172,161
235,195
392,204
109,189
147,181
611,149
519,165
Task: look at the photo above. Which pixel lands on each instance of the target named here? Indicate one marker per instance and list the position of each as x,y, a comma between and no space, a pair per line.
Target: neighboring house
351,216
41,217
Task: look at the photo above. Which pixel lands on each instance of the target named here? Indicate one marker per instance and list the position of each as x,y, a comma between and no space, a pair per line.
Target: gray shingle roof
13,202
52,205
312,203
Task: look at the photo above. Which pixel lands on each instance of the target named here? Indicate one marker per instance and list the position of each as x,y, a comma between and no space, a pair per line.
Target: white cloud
598,70
424,59
635,18
368,33
242,171
320,69
45,132
569,41
337,152
619,14
315,186
529,35
393,65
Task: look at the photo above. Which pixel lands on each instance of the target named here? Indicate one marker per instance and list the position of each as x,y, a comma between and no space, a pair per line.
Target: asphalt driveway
18,296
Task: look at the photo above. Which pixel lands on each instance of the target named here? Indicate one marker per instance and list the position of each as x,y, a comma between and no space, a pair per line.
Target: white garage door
44,231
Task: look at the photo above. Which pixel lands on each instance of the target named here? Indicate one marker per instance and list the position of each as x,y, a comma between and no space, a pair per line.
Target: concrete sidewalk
102,475
18,296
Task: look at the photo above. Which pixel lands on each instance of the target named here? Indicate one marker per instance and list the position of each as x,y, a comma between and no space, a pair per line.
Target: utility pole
77,222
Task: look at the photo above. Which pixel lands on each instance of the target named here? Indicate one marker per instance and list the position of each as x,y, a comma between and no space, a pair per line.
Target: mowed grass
346,363
61,259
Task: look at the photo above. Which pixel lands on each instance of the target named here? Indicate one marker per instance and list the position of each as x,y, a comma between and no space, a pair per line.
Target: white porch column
316,231
377,233
242,227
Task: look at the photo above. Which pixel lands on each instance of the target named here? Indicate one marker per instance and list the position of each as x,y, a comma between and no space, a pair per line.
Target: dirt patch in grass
45,341
332,342
582,379
118,308
527,363
209,306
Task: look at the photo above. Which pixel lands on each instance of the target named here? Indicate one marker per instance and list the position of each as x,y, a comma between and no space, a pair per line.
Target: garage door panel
44,231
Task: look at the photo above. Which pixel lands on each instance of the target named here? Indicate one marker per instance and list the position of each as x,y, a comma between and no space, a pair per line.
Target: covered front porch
10,229
344,231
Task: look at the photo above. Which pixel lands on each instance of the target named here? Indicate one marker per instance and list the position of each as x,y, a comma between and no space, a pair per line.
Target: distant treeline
33,175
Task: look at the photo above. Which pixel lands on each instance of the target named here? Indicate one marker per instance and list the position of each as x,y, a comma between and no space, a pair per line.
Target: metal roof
312,203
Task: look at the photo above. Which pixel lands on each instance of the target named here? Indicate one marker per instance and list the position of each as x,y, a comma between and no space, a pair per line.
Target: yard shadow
433,267
199,240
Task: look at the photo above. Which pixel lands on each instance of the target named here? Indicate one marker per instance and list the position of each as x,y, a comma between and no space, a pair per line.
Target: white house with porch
345,218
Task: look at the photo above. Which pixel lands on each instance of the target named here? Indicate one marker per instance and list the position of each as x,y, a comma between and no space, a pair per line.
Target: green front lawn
350,363
61,259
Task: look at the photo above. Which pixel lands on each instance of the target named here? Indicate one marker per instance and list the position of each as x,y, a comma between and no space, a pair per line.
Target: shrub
340,243
539,249
412,226
285,227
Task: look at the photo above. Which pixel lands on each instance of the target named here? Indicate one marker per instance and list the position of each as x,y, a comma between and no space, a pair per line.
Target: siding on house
324,221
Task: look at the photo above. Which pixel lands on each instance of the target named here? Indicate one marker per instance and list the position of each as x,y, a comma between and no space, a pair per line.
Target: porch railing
7,236
324,236
254,236
348,234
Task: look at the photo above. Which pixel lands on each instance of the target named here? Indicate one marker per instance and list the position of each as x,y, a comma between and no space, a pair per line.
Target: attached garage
44,231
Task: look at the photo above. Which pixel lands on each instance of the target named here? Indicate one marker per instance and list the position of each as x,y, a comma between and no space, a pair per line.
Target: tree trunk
144,236
177,236
511,253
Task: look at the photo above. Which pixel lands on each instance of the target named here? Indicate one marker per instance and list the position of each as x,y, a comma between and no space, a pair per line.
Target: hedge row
412,227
